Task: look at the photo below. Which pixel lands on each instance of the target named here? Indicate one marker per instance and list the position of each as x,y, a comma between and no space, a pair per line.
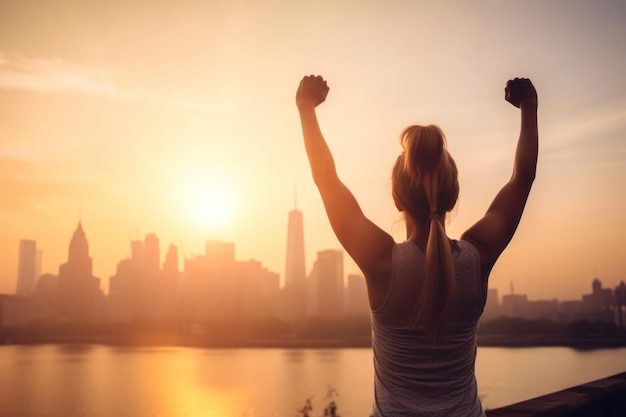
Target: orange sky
131,115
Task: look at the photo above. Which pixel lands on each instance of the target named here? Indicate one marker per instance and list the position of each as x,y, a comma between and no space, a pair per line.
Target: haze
138,117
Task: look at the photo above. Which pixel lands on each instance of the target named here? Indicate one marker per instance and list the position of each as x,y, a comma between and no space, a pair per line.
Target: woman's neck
417,232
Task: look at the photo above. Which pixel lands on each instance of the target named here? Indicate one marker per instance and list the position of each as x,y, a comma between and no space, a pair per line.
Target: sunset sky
139,117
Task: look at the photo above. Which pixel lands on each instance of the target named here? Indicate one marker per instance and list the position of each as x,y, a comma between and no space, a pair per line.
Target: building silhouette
146,296
141,291
80,298
598,306
493,308
121,292
126,300
217,287
169,291
45,301
602,305
294,294
356,301
259,290
326,292
620,304
209,283
28,268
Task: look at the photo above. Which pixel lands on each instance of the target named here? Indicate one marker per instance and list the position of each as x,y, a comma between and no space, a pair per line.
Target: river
106,381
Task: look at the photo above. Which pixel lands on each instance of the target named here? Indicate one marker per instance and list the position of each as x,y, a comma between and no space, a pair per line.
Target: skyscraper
151,254
294,292
170,277
326,283
211,284
356,302
80,296
146,298
295,271
27,268
121,286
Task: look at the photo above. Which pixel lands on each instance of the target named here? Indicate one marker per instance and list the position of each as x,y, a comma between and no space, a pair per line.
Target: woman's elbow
322,176
524,179
323,180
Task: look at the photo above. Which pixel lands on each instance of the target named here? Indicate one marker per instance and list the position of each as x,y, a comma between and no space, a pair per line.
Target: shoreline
295,343
550,341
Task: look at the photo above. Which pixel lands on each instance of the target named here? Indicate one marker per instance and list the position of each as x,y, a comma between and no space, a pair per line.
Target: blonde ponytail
425,187
439,286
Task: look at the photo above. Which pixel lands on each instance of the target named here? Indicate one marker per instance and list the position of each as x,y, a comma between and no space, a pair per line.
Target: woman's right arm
494,231
366,243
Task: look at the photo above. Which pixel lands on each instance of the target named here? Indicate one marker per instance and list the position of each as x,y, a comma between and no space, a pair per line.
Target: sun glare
208,204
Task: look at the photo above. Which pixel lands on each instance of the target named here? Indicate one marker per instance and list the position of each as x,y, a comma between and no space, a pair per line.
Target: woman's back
427,372
414,374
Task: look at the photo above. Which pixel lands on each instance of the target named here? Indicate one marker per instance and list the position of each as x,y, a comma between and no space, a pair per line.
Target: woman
427,293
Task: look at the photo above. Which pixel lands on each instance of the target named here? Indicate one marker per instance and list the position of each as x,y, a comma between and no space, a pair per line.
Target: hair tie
433,216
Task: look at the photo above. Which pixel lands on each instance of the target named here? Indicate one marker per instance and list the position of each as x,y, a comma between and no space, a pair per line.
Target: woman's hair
425,187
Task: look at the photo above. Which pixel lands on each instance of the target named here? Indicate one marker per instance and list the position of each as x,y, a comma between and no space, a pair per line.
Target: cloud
590,127
59,76
53,75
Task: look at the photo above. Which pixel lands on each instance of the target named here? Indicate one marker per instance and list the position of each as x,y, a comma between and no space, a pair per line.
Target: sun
208,203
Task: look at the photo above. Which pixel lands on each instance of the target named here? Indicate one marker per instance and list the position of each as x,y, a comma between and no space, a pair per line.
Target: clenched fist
312,91
520,91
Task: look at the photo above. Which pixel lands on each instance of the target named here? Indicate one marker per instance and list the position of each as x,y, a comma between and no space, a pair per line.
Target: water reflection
74,353
507,375
121,349
327,355
189,400
105,381
294,355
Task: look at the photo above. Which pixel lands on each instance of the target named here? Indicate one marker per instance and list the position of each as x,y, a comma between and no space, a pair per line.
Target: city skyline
178,118
215,287
149,250
211,286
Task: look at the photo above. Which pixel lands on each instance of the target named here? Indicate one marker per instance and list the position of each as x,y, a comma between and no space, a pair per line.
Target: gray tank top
414,376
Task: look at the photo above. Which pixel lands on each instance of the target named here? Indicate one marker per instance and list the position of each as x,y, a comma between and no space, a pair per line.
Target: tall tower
295,271
79,248
27,268
79,291
295,274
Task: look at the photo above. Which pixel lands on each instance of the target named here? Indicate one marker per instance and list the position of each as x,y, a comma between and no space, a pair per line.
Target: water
106,381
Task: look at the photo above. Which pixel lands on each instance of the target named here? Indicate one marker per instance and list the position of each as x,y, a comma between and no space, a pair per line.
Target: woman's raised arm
366,243
494,231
